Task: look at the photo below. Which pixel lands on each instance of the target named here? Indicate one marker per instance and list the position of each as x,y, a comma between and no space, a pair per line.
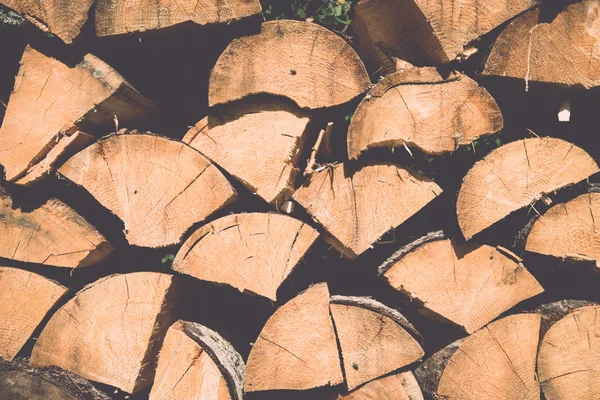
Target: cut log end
401,386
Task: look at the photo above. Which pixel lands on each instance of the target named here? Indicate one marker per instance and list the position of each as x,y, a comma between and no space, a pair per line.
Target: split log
372,339
63,19
297,348
300,60
568,230
402,386
25,299
259,145
85,97
561,51
52,234
252,252
119,17
466,284
157,186
516,175
423,32
495,363
197,363
110,332
356,207
419,108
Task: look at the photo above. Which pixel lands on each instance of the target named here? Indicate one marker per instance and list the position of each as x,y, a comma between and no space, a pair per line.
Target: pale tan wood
111,330
356,207
568,230
197,363
25,299
52,234
467,284
516,175
61,18
158,187
568,360
300,60
252,252
297,347
421,109
258,145
51,101
402,386
562,51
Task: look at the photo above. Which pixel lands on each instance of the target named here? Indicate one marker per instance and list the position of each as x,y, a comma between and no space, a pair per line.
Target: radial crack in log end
400,386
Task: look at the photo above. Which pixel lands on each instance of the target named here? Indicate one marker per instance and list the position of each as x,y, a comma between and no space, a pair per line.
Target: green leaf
338,10
301,13
168,259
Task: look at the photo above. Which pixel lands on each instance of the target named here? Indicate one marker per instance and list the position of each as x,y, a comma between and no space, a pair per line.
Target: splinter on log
157,186
516,175
252,252
297,348
260,145
568,230
52,234
423,32
300,60
467,284
25,299
51,101
111,330
357,207
372,339
421,109
562,51
495,363
119,17
402,386
61,18
197,363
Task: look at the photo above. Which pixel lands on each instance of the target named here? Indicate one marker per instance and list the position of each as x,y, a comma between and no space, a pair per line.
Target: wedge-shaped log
252,252
300,60
356,207
197,363
467,284
401,386
51,101
561,51
297,348
118,17
157,186
61,18
516,175
110,332
52,234
419,108
25,299
495,363
260,146
373,341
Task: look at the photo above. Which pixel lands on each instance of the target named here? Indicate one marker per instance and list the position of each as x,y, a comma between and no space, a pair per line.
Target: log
197,363
63,19
111,331
465,283
300,60
561,51
86,98
372,340
252,252
158,187
25,300
52,234
419,108
297,348
260,145
120,17
516,175
357,206
495,363
401,386
568,230
425,32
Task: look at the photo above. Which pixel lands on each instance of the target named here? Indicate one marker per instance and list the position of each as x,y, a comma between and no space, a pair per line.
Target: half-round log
401,386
